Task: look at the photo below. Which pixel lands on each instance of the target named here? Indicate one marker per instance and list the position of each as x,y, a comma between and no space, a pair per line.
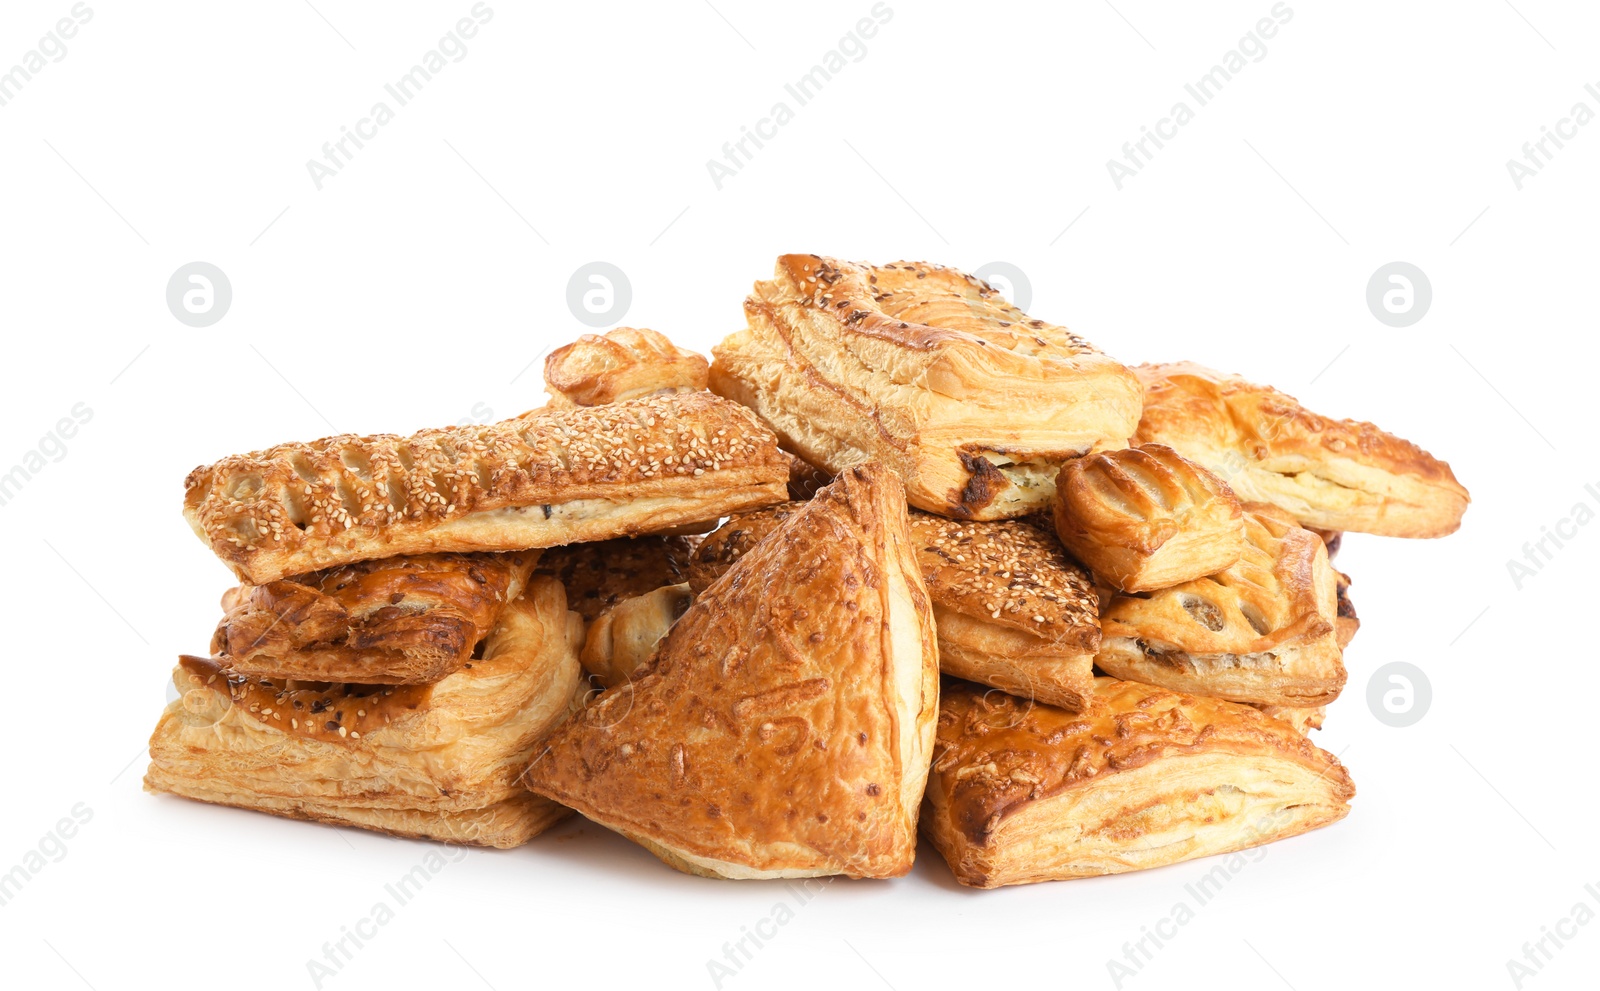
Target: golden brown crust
622,639
805,479
1330,474
1022,792
623,363
548,477
1012,611
601,574
1145,518
1261,631
920,366
1303,719
401,620
783,728
438,760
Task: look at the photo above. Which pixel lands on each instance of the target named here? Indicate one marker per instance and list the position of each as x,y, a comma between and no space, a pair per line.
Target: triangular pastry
785,725
1012,611
1261,631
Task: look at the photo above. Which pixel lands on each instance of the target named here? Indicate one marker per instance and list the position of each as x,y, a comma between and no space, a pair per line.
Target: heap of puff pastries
1121,577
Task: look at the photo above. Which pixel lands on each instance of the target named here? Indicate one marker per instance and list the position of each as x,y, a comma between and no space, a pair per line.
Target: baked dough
599,575
439,761
545,478
785,725
1261,631
1022,793
1346,622
1328,474
974,403
805,479
624,363
401,620
1011,610
623,638
1304,719
1144,518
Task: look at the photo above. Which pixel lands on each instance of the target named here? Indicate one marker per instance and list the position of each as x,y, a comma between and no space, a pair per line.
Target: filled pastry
437,761
400,620
601,574
1145,518
623,363
785,725
1329,474
971,401
1261,631
546,478
624,637
1022,793
1010,609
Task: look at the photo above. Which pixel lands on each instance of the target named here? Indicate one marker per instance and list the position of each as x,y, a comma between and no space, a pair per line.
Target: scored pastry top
288,496
997,753
1281,590
1140,497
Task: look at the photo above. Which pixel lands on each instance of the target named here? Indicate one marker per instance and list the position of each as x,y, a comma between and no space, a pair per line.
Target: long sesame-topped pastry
439,761
971,401
545,478
1011,610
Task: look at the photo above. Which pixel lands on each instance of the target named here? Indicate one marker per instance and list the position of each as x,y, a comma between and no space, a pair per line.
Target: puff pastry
1329,474
974,403
401,620
1304,719
1261,631
624,363
599,575
624,637
548,477
1346,622
1011,610
1022,793
1145,518
805,479
439,761
785,725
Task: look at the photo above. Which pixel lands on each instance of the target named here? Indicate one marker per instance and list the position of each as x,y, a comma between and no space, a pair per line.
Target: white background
422,279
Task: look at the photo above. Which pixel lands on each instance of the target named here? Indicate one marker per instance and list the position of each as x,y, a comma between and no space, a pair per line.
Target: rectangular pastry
1010,609
1262,631
1328,474
971,401
785,725
1021,792
552,476
436,761
1144,518
398,621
